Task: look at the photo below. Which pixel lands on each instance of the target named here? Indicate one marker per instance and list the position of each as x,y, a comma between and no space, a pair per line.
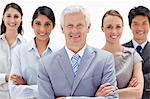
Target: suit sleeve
82,97
109,74
147,82
44,84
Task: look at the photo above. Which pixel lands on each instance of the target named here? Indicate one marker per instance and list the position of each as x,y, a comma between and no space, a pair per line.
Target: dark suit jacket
145,66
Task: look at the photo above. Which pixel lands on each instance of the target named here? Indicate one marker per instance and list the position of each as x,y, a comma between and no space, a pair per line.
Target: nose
140,28
12,20
74,29
42,29
113,30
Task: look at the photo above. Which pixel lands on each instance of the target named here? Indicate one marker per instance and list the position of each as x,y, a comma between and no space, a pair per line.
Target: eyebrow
49,21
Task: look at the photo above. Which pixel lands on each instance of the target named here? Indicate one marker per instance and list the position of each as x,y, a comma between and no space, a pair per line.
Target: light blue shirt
5,58
25,63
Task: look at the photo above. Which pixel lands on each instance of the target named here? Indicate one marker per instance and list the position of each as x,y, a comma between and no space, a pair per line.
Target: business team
78,71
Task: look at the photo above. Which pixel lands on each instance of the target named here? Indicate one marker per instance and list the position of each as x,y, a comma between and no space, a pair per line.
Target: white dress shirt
5,62
71,53
6,56
135,44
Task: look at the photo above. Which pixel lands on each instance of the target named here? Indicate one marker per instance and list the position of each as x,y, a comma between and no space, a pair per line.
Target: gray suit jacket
56,77
145,66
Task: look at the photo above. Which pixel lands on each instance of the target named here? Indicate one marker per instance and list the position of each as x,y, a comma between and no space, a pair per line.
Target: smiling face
140,28
42,27
112,27
12,19
75,29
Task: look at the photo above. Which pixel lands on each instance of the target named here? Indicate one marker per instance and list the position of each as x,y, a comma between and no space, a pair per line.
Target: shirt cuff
68,97
2,78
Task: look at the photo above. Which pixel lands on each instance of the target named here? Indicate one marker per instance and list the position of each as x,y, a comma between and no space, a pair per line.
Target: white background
96,8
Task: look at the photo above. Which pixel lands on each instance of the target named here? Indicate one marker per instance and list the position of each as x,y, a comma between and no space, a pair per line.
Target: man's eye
16,16
47,24
37,23
69,26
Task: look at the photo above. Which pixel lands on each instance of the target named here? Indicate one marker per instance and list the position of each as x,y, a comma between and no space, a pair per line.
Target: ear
54,25
3,18
62,29
102,28
89,26
31,25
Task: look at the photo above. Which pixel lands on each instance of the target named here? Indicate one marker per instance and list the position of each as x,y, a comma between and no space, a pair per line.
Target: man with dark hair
139,22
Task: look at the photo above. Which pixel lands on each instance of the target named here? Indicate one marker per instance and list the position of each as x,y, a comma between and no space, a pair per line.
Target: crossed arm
45,83
104,90
18,86
135,87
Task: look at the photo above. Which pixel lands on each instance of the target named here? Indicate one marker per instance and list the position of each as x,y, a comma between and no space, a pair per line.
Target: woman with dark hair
30,56
10,38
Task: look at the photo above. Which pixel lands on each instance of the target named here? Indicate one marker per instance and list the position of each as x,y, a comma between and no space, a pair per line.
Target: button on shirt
26,62
6,56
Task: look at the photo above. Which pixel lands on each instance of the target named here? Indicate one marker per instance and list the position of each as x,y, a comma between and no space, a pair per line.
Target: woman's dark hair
46,11
18,8
113,13
140,10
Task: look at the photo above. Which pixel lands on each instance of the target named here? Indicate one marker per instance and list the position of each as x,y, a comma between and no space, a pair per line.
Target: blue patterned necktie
75,60
138,49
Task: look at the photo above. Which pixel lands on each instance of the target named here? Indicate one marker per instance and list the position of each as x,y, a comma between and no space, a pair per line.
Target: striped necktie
75,60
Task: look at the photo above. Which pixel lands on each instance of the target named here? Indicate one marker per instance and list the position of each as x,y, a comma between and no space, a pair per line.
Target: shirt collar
71,53
19,37
2,36
32,45
135,44
52,46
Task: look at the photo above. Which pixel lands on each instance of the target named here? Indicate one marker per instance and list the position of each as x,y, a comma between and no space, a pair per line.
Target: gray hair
75,9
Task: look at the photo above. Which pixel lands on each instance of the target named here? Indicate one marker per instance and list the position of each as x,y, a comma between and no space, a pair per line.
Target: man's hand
105,90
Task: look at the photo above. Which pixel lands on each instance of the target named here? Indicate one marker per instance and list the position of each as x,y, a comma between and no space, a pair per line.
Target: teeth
41,34
114,36
140,33
11,24
75,36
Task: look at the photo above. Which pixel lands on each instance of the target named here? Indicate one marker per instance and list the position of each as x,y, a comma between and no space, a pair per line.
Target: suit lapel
129,44
65,64
84,65
146,52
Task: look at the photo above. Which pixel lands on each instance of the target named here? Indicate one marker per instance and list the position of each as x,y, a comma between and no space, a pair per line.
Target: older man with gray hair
77,70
